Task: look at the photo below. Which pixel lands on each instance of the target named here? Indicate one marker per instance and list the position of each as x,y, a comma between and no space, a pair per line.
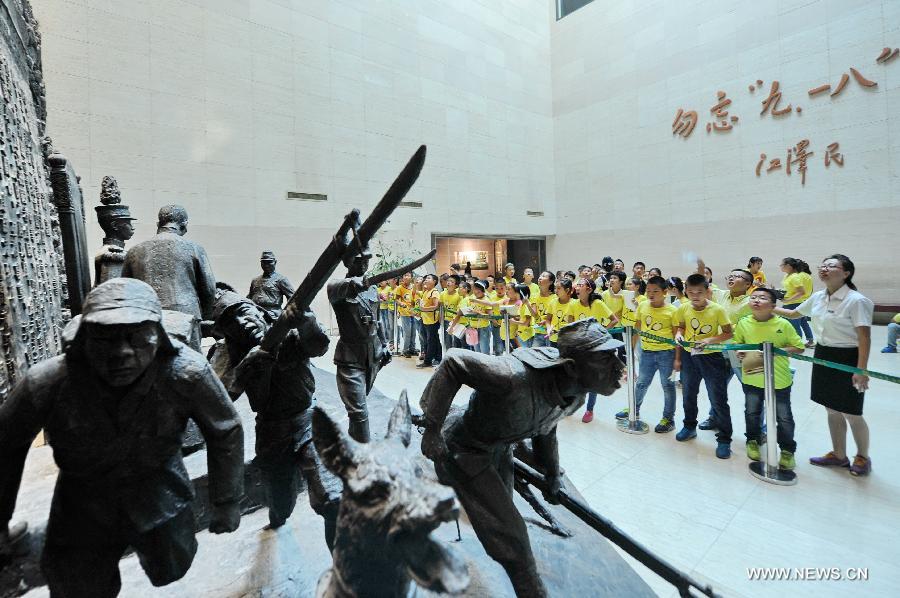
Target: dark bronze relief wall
31,272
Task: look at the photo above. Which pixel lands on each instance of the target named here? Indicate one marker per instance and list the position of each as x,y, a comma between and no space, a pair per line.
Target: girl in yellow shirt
590,305
523,319
797,286
638,287
541,302
755,268
559,308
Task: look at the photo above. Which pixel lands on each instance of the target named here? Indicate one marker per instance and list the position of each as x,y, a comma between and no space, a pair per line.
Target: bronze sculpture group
116,404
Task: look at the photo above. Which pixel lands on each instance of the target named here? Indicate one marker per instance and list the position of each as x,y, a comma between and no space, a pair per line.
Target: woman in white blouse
842,323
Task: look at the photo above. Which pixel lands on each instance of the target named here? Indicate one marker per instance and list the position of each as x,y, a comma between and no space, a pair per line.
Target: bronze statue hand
9,537
433,445
555,485
386,356
226,517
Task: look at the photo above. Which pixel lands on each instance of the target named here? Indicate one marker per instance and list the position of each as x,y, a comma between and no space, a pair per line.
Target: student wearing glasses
735,300
842,322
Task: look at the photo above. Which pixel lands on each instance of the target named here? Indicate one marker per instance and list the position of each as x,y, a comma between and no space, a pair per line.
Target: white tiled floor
710,517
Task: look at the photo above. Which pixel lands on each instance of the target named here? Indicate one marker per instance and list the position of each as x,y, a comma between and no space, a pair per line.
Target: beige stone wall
626,186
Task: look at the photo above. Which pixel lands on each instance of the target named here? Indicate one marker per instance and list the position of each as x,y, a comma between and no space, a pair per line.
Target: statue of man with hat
114,406
280,387
269,288
362,348
516,397
115,220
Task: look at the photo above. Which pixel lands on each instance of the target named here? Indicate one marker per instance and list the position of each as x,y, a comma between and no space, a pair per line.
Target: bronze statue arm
21,418
206,284
220,425
346,288
546,454
483,373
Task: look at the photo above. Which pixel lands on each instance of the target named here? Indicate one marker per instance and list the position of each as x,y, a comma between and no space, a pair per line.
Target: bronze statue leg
352,384
497,523
167,551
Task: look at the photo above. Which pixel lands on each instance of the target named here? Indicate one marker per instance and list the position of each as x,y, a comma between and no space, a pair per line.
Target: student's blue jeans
499,343
753,410
652,362
484,340
408,327
541,340
893,333
387,323
714,370
801,325
591,401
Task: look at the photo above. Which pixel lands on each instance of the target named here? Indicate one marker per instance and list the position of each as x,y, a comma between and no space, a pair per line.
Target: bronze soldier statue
362,348
115,220
516,397
268,289
177,269
281,387
114,407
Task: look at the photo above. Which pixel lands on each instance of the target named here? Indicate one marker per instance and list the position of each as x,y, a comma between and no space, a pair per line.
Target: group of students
678,323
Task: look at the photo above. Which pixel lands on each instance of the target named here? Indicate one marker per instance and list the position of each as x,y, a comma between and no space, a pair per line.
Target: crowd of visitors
680,326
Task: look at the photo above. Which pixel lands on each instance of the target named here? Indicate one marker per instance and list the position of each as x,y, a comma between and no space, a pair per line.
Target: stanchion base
629,427
781,477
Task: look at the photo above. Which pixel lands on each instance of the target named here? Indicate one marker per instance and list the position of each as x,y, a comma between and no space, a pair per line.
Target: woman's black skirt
834,388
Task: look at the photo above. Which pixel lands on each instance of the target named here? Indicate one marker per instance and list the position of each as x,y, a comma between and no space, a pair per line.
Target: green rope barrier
840,366
688,345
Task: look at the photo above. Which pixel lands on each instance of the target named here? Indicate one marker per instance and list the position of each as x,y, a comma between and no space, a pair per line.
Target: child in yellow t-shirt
450,298
481,306
541,301
892,334
637,287
528,279
405,297
386,309
589,305
462,308
523,317
700,322
559,308
657,317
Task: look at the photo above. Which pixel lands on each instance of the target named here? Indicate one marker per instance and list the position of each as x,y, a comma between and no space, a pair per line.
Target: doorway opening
488,254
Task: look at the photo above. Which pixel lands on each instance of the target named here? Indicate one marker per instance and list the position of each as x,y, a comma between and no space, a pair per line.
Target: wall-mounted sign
722,122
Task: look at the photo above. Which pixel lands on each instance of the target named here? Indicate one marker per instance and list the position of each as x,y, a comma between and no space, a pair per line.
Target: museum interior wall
226,106
626,184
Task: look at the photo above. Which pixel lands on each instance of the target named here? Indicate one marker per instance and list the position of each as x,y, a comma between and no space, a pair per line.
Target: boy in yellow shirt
450,299
405,297
657,317
700,321
429,304
893,332
528,279
386,309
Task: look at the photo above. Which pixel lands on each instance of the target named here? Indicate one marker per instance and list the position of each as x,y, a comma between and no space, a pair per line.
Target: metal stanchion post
632,425
767,470
443,332
506,326
396,329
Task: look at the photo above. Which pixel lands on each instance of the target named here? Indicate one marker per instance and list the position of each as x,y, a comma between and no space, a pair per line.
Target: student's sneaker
723,450
623,414
708,424
588,417
664,425
753,450
685,433
861,466
424,364
810,344
829,459
889,349
787,460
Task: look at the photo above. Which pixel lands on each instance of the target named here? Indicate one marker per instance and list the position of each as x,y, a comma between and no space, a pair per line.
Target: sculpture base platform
288,562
